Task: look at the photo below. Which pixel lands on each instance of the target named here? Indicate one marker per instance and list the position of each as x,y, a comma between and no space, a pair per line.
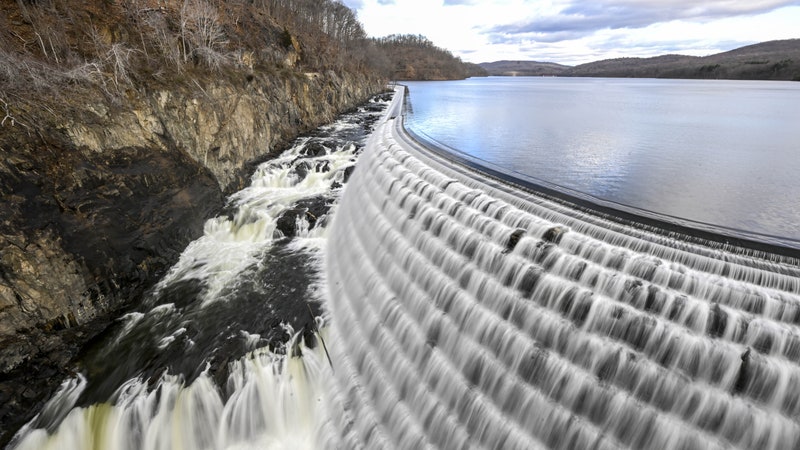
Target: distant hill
414,57
773,60
523,68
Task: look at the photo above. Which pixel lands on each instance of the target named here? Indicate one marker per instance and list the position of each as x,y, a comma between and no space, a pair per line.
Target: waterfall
470,313
270,402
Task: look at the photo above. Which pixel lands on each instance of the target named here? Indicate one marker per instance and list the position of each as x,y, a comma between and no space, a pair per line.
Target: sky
579,31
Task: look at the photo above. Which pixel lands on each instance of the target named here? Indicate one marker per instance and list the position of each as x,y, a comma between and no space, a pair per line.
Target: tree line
48,46
415,57
85,39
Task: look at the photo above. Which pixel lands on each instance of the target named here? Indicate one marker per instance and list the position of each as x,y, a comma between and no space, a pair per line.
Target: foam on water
270,402
232,244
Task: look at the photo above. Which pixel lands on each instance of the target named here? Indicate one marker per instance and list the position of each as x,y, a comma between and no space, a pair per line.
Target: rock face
99,203
223,125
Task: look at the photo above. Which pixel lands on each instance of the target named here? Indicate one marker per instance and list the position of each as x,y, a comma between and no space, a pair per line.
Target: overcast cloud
584,18
573,31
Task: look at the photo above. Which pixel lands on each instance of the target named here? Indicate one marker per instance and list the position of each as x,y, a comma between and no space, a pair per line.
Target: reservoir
716,155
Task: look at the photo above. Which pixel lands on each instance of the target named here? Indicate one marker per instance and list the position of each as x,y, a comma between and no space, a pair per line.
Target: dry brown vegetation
414,57
50,50
523,68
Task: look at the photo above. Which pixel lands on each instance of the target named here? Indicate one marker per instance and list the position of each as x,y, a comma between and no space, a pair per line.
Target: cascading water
218,356
468,313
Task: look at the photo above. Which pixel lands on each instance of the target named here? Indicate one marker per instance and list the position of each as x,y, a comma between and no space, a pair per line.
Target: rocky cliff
101,201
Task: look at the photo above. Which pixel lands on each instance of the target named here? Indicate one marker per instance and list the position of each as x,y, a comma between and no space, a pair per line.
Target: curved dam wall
468,312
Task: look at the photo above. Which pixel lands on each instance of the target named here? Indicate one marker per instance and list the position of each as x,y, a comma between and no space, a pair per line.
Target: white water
230,245
270,402
466,313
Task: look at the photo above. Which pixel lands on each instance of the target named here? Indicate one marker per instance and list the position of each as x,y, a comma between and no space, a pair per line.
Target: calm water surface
719,153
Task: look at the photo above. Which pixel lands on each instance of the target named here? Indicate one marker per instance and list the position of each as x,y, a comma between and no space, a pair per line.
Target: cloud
551,37
578,31
358,4
579,19
671,46
353,4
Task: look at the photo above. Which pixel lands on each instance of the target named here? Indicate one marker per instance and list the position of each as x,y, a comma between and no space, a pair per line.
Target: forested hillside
48,46
414,57
773,60
523,68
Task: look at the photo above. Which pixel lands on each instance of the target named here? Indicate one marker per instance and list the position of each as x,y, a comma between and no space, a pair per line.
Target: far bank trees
414,57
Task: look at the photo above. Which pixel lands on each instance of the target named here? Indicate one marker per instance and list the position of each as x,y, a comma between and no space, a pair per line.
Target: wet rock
513,240
46,361
287,222
554,234
301,169
348,171
111,229
322,167
311,210
317,207
282,276
743,378
84,236
374,107
717,321
314,148
385,96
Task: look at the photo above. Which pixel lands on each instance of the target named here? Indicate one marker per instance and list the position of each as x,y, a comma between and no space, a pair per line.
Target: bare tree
167,43
202,35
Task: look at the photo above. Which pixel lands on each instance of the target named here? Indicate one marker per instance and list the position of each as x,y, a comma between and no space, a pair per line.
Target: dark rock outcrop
81,236
82,233
311,209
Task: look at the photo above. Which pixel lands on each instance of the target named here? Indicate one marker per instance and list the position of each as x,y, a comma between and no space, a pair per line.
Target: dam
469,312
459,307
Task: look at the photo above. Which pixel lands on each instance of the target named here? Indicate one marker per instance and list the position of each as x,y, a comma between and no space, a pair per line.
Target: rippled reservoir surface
714,154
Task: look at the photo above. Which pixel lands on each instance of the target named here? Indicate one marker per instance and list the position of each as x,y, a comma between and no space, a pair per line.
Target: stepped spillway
468,312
